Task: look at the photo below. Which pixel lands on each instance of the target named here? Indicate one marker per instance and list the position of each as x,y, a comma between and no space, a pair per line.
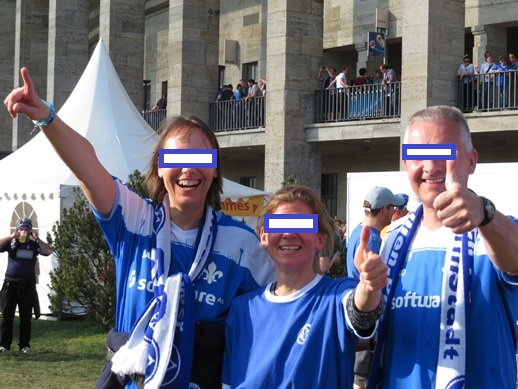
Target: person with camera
326,75
19,289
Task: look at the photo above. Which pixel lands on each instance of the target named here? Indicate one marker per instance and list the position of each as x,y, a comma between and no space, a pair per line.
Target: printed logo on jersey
142,283
413,300
211,273
159,218
192,385
24,254
303,334
456,383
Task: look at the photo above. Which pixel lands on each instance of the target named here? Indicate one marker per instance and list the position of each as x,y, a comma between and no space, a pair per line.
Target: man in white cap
379,205
19,289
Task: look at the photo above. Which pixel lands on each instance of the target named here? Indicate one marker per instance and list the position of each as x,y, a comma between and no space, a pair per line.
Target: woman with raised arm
180,262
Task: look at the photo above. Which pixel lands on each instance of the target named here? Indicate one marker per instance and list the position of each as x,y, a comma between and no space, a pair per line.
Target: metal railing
153,118
488,92
235,115
371,101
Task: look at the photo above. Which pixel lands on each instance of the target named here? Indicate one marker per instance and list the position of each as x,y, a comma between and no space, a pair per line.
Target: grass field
64,354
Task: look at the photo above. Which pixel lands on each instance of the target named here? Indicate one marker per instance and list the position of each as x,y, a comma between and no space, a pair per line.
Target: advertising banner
376,44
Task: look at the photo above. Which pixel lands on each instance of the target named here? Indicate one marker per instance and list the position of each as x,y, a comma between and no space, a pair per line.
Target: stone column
432,53
7,33
363,58
68,48
30,50
193,56
489,38
479,43
121,27
294,53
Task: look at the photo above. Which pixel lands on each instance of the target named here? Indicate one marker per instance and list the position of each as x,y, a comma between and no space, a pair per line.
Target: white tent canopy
234,191
99,109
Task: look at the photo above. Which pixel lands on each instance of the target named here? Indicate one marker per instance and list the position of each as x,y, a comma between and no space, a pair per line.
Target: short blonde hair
440,113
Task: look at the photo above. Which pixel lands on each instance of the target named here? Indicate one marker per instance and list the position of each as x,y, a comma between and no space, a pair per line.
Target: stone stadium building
190,48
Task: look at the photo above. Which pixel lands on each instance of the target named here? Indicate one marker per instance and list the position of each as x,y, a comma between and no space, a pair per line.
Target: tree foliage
339,268
85,275
291,180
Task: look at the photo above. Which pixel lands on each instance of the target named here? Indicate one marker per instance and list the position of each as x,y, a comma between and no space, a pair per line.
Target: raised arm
8,238
45,248
75,150
462,210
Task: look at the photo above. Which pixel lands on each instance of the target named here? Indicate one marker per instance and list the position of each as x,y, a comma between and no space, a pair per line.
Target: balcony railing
488,92
372,101
153,118
234,115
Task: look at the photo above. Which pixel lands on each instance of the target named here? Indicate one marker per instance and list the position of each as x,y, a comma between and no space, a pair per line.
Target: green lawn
64,354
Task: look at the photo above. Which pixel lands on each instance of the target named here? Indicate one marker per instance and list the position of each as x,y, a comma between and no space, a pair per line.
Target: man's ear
473,159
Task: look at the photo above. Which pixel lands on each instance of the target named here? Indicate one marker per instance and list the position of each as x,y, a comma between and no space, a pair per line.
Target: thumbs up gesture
372,269
373,274
458,208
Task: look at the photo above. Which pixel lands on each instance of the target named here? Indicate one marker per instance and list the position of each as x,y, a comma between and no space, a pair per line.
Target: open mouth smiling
289,248
435,180
188,183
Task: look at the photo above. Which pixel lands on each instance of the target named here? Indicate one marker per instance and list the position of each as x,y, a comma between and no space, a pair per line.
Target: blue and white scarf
455,297
155,349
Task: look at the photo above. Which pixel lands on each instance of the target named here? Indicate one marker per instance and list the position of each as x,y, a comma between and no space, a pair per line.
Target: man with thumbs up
452,294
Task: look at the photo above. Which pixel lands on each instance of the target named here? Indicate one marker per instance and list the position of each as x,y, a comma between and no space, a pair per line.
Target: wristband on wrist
47,121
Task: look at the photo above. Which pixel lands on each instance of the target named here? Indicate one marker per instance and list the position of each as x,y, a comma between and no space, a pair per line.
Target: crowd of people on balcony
239,108
489,85
366,96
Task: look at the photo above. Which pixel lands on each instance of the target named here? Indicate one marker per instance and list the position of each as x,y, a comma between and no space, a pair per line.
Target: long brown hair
168,128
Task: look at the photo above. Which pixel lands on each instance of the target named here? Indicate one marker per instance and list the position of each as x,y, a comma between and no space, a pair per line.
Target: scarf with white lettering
456,284
155,349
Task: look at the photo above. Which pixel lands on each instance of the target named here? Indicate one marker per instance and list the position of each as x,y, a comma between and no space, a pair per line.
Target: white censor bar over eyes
185,158
291,223
428,151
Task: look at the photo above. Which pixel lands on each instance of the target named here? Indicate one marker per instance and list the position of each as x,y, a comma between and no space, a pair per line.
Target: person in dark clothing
19,289
160,104
160,112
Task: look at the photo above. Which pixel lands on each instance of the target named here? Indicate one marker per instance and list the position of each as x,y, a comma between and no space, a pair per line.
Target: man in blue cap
19,289
399,212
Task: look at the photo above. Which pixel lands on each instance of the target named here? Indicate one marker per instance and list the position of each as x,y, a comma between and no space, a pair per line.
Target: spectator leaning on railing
388,80
502,81
465,75
486,82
